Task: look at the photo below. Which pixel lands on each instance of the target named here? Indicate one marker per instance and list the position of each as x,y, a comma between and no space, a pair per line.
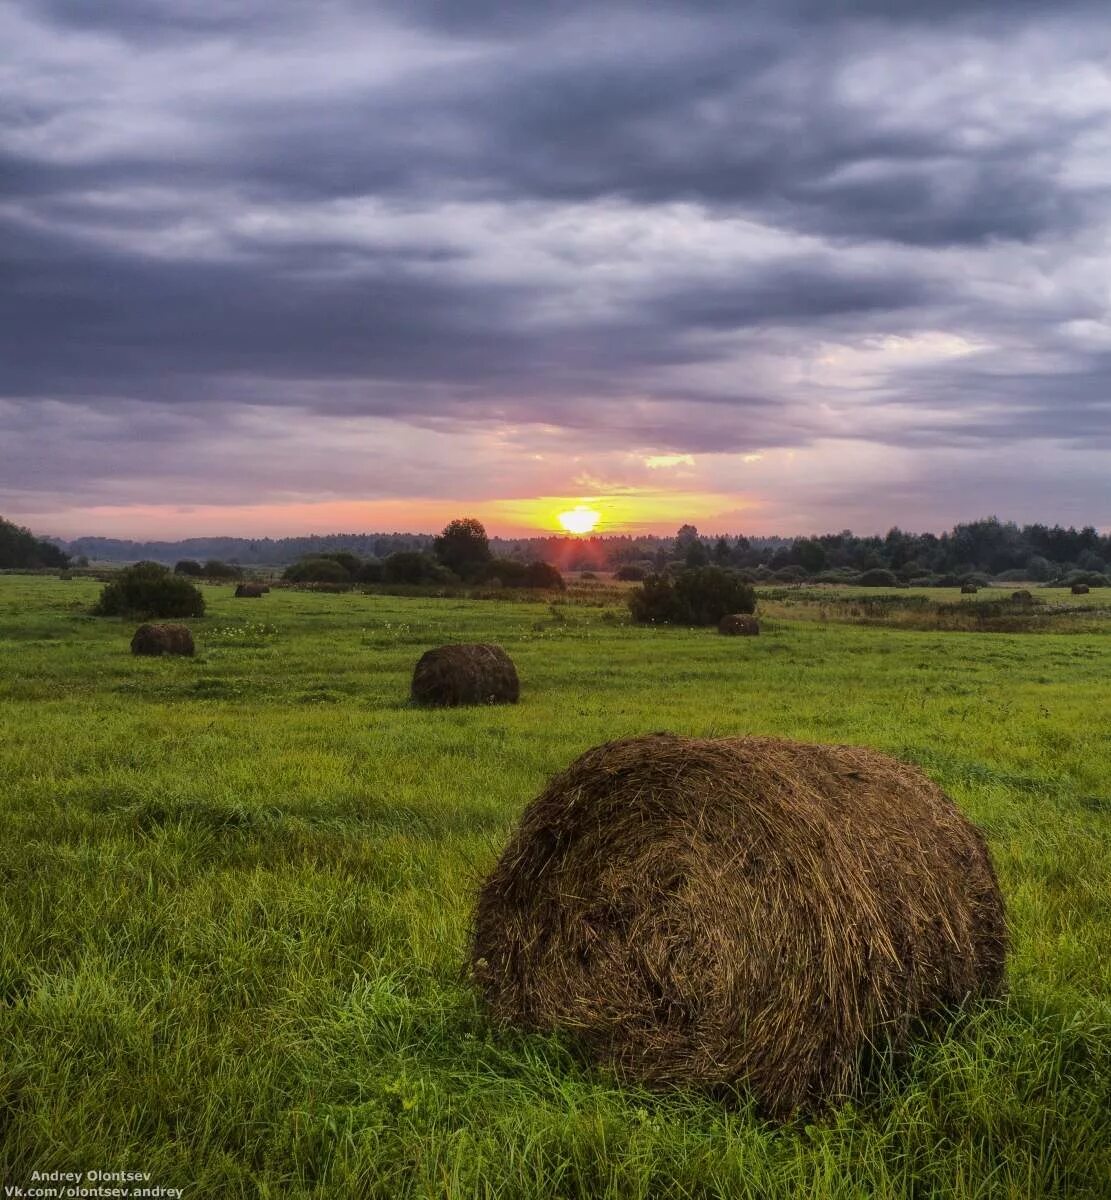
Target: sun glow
579,519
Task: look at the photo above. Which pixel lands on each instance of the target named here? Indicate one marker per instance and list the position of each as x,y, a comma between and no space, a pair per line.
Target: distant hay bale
1022,596
969,589
162,639
251,589
739,625
465,674
753,911
1079,589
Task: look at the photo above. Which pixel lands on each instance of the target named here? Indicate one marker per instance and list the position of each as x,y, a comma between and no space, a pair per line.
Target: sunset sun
579,519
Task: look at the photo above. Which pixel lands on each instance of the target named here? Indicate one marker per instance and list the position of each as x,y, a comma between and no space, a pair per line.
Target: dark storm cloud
582,215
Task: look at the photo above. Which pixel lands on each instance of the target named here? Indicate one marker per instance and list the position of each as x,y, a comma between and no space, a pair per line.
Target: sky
788,266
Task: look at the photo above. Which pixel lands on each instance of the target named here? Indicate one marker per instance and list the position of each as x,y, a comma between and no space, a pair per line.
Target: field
236,891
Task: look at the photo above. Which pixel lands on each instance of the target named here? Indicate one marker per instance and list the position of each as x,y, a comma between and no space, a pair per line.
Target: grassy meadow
235,893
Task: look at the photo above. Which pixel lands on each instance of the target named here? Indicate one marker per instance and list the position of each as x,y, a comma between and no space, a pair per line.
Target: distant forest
990,547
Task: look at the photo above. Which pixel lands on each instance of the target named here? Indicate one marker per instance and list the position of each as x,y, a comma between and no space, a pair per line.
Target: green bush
370,571
188,566
877,577
543,575
697,596
317,570
215,569
414,567
507,571
790,574
630,574
149,590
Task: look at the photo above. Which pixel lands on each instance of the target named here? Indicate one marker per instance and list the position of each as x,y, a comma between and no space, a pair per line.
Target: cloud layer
467,252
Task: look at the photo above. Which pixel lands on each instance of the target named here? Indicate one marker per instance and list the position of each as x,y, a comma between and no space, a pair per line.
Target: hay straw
162,639
739,625
465,674
707,912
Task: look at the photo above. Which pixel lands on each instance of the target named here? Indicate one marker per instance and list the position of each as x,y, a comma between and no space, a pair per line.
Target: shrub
1091,578
414,567
370,571
877,577
697,596
508,572
350,562
317,570
149,590
543,575
790,574
188,566
215,569
630,574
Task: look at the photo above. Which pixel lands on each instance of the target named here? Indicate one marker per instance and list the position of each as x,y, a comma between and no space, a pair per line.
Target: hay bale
715,911
465,674
162,639
1022,596
251,589
1079,589
969,589
739,625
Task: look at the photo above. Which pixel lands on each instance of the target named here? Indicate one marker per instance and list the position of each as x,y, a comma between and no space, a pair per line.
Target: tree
463,547
696,555
723,554
20,548
188,566
810,554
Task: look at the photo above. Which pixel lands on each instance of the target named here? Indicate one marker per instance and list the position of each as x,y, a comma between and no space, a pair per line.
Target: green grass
235,893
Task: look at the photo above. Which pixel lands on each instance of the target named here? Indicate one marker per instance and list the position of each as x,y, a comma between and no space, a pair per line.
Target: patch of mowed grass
235,893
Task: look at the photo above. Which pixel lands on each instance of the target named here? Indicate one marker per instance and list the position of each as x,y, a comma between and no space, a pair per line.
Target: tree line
989,546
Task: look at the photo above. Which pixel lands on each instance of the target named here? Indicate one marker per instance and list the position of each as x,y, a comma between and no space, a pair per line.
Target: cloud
666,234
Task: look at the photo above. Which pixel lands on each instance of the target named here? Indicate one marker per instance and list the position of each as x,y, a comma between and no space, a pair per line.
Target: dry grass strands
162,639
714,911
465,674
251,589
739,625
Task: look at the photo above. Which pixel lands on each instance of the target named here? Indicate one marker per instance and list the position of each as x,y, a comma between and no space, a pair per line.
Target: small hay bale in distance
162,639
713,912
1022,596
969,589
1079,589
251,589
739,625
465,673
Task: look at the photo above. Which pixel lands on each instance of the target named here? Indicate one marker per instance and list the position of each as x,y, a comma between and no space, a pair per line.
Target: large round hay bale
465,674
1079,589
741,910
251,589
162,639
1022,596
739,625
969,589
